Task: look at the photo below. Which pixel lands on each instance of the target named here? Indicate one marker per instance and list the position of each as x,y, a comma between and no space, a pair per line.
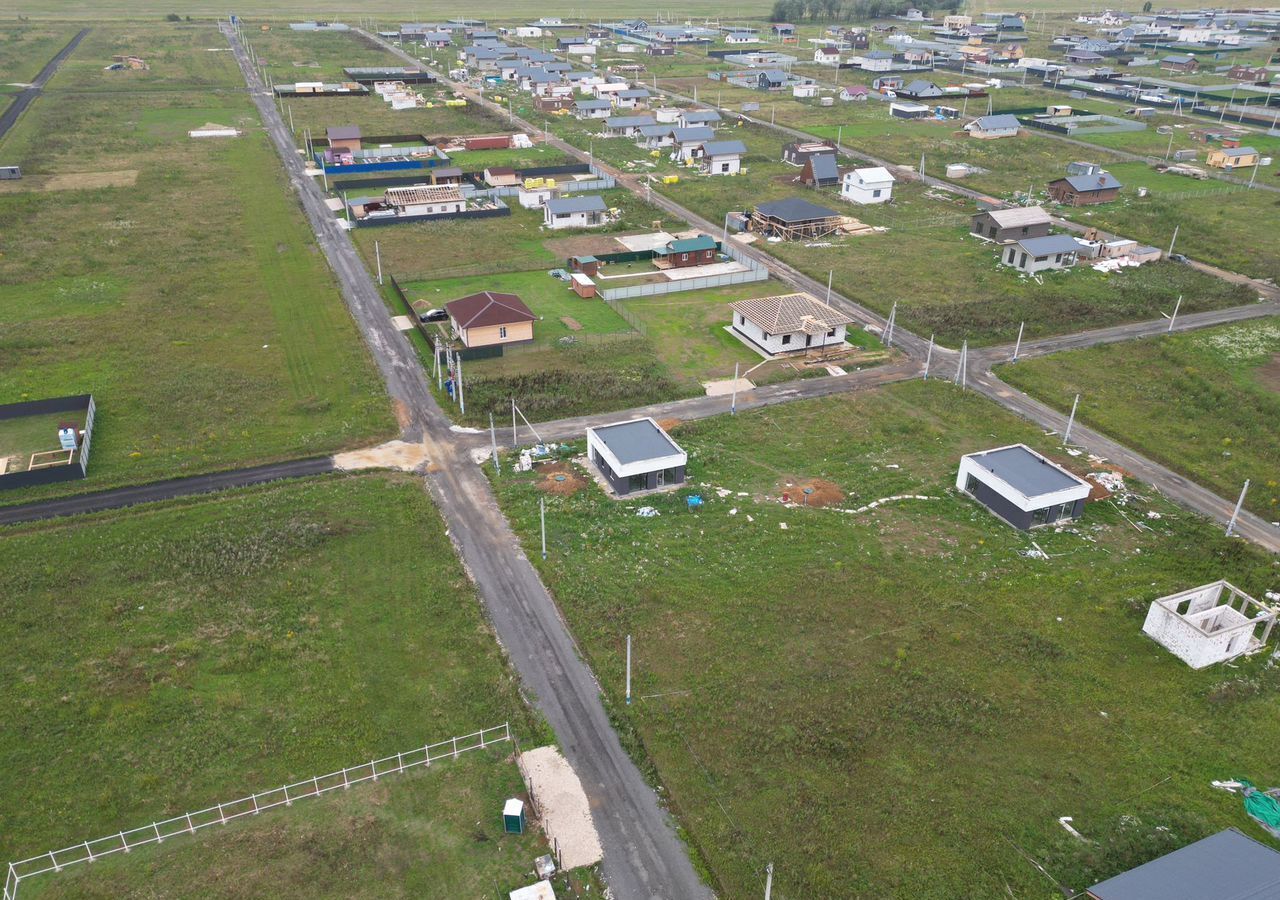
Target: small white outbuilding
873,184
1209,624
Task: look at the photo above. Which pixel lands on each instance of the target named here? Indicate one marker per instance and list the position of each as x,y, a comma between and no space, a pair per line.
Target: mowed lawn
1206,404
194,304
181,654
901,703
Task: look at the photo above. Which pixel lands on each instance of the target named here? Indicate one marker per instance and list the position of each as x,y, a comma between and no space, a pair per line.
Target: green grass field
179,55
193,304
185,653
25,48
1205,404
864,699
423,833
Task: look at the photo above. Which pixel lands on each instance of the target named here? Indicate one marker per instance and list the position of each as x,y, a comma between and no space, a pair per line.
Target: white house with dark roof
636,456
688,140
788,323
626,126
598,108
692,117
989,127
720,157
1032,255
875,61
584,211
631,98
871,184
1021,486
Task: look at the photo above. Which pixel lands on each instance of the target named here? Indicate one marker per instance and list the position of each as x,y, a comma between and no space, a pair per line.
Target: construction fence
754,272
222,813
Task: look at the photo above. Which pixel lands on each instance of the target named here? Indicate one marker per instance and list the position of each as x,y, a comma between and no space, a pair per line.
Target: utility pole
514,441
768,881
733,402
962,375
830,274
1231,526
462,403
1174,238
377,252
542,520
928,358
888,328
628,670
839,136
1071,421
1174,317
1018,345
1169,149
493,443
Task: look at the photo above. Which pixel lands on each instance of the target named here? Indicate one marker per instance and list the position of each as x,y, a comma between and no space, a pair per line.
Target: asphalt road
644,857
9,117
163,490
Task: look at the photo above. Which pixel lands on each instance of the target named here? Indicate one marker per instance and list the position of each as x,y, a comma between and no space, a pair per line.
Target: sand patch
561,803
726,386
811,491
71,181
559,479
392,455
669,424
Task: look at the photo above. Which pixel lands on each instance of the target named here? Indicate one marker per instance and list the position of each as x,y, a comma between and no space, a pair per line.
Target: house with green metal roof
683,252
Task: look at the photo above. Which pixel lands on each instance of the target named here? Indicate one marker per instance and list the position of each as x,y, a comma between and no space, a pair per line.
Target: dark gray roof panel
1025,470
1226,866
633,442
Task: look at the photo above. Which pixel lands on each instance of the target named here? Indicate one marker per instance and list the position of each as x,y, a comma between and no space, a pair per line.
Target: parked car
1178,257
433,315
562,274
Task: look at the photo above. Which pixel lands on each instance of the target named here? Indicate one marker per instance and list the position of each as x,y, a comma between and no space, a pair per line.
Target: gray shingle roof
724,148
793,209
1050,244
560,206
1101,181
996,123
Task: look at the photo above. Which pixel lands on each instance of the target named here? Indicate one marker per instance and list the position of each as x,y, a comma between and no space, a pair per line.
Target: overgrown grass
189,652
26,48
1206,404
864,699
194,305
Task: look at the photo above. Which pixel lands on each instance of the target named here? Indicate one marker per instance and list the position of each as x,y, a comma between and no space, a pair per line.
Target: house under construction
794,219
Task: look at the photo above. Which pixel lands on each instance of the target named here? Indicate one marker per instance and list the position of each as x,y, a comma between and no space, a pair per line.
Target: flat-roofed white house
872,184
574,212
788,323
636,456
1021,486
1032,255
1209,624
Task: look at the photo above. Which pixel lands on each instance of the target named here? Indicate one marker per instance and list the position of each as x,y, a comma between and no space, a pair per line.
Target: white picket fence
222,813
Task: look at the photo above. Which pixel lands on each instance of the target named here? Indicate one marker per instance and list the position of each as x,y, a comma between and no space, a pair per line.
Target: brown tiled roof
789,313
488,308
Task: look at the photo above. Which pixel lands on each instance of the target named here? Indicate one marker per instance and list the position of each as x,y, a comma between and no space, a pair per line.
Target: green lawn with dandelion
902,701
1206,404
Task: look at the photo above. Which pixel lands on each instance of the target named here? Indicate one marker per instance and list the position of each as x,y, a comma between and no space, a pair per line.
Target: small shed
637,455
1021,486
1209,624
1085,190
343,138
582,285
587,265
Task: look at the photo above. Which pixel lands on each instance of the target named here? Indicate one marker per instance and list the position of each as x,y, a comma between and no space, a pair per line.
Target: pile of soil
821,491
559,479
669,425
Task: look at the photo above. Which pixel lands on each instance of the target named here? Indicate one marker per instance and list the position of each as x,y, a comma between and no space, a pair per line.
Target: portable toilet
513,816
68,437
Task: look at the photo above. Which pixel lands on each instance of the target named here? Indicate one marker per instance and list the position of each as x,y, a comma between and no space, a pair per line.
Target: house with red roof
490,319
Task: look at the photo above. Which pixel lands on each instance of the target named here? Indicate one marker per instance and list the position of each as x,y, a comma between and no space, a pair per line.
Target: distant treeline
850,10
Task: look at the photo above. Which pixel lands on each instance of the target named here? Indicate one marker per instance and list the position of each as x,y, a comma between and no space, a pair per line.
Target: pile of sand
560,800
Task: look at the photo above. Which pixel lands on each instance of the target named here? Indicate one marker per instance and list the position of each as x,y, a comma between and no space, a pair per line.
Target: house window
786,339
971,485
724,167
875,193
1023,264
638,482
1040,516
831,333
1024,230
502,331
993,231
766,335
